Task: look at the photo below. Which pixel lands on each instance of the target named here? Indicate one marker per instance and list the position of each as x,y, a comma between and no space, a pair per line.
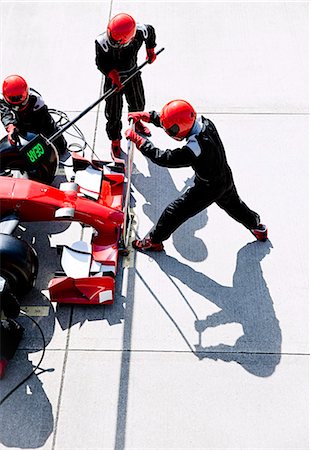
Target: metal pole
106,95
126,210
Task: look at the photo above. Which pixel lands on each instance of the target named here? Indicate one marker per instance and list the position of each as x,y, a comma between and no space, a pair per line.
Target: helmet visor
118,44
15,99
173,131
20,106
18,100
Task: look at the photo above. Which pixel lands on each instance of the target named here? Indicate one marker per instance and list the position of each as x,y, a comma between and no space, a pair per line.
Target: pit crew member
116,57
204,152
22,110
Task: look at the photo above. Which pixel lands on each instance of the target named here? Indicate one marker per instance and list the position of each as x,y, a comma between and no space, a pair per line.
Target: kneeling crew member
22,110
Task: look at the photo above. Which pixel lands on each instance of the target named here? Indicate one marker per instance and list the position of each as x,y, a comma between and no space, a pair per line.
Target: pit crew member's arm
149,117
154,119
7,115
39,110
104,59
150,41
179,157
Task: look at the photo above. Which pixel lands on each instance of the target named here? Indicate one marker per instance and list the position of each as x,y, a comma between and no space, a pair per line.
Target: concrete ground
207,344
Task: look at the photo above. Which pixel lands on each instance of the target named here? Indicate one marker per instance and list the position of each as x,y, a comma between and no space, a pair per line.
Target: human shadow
247,302
26,417
159,190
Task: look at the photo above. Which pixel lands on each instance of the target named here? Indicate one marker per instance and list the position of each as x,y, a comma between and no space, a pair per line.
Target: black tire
18,263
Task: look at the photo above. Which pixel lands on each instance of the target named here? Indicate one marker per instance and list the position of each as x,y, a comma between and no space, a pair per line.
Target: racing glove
114,77
137,116
134,137
151,55
12,133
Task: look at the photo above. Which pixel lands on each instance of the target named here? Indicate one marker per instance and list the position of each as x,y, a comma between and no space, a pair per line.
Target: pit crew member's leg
113,113
237,209
194,200
134,93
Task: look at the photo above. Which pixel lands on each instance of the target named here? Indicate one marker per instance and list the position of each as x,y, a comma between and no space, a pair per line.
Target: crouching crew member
22,110
116,57
204,152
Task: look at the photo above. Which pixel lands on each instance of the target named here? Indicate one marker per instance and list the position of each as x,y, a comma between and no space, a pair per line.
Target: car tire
18,263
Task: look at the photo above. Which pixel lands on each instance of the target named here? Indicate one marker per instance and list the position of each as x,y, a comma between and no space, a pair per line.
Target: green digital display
35,153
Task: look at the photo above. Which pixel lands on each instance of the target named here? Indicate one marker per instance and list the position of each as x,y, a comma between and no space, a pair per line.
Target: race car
95,197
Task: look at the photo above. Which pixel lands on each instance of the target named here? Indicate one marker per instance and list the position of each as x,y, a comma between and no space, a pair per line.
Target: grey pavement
207,344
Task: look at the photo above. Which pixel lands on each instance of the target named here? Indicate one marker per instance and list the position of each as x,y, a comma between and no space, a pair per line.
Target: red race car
97,200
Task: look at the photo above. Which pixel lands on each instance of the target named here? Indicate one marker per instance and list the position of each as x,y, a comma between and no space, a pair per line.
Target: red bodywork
31,201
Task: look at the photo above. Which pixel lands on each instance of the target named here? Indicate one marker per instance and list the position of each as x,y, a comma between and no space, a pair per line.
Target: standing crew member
205,153
116,57
22,110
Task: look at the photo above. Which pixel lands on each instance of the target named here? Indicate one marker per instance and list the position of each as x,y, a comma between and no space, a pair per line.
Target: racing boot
116,149
142,129
147,244
261,232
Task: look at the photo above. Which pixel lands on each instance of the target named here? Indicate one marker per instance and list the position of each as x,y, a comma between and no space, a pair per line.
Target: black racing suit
33,118
213,182
124,60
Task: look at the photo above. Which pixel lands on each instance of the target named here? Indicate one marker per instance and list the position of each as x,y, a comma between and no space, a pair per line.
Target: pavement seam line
62,380
100,93
164,351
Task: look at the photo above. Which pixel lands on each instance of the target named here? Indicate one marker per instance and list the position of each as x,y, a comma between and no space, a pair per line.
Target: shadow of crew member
26,414
26,417
247,302
160,182
11,331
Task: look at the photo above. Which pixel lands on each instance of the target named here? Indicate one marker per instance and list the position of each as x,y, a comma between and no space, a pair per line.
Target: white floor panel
172,401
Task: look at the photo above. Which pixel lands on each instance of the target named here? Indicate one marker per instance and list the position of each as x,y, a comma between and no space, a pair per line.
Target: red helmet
15,90
121,30
177,118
